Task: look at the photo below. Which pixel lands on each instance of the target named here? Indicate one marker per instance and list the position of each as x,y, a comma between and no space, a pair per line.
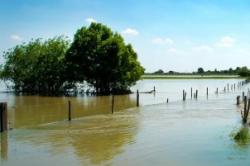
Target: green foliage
37,66
244,72
242,136
160,71
200,70
102,58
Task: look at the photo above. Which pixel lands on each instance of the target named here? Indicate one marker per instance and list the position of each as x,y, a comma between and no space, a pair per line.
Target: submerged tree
37,66
102,58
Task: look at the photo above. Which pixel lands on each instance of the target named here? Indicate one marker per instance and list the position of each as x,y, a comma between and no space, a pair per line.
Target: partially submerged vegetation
242,136
37,66
97,55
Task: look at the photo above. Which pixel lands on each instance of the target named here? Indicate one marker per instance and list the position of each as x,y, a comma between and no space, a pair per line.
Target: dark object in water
152,91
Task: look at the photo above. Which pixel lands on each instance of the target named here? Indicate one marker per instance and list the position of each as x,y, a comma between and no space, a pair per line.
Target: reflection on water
92,141
34,110
4,146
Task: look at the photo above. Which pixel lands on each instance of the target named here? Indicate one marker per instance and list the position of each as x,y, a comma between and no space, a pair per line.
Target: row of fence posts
3,106
226,88
195,95
112,104
4,119
137,99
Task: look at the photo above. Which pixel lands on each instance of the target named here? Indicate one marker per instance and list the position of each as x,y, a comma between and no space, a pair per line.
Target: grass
153,76
242,136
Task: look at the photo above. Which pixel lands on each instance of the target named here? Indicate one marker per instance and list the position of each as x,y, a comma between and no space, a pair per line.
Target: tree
230,70
160,71
37,66
200,70
244,71
171,72
102,58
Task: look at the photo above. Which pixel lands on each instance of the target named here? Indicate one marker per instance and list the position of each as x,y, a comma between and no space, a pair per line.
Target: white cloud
203,48
172,50
162,41
226,41
16,38
130,32
90,20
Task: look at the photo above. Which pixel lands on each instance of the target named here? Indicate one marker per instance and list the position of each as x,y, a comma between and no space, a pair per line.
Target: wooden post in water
244,113
137,98
217,91
167,100
69,115
183,95
154,89
191,93
196,94
238,100
227,87
245,102
3,117
243,95
207,91
112,103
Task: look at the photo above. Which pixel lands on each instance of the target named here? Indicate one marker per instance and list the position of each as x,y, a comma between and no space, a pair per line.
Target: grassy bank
153,76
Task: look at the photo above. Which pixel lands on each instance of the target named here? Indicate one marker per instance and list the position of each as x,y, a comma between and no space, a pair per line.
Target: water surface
194,132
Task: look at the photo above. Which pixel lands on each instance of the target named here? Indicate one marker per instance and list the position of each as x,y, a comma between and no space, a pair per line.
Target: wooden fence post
237,100
3,117
191,93
137,98
69,110
183,95
243,95
244,113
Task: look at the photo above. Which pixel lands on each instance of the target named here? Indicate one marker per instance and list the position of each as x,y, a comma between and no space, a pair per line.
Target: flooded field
194,132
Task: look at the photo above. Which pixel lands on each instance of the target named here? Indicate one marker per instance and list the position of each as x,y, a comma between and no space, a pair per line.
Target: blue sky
179,35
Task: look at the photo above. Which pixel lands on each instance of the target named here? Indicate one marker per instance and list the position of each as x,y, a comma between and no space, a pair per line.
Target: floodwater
190,133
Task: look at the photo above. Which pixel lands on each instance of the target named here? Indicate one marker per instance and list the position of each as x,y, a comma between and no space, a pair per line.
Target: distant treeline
242,71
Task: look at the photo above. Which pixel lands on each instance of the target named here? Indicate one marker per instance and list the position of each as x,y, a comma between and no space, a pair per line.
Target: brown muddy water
194,132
